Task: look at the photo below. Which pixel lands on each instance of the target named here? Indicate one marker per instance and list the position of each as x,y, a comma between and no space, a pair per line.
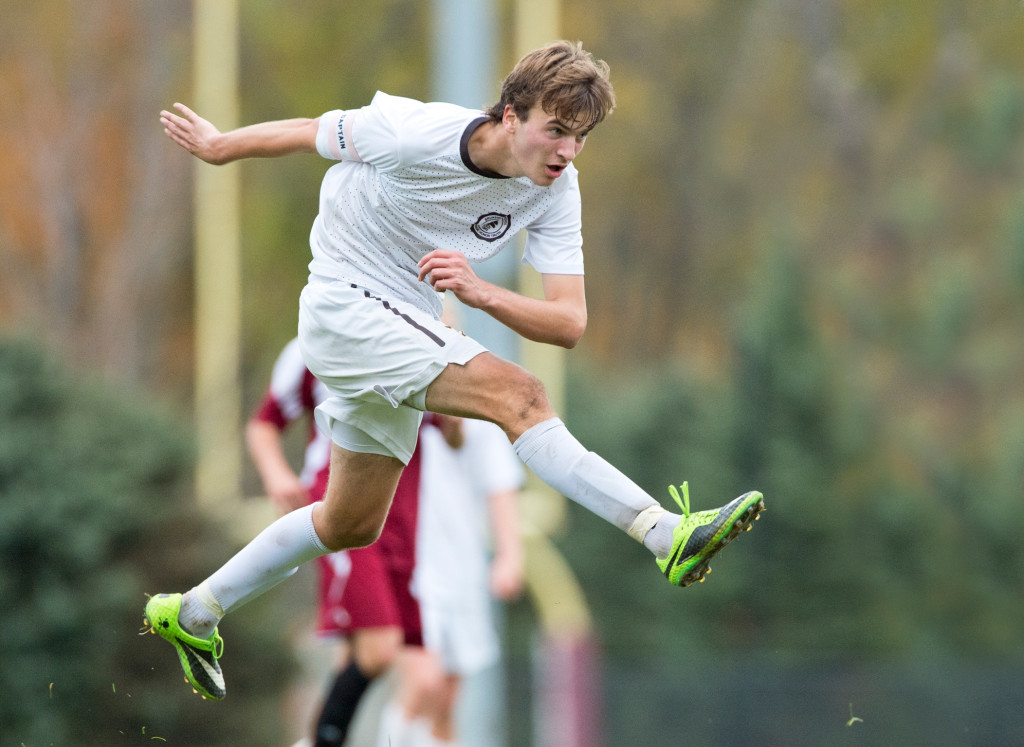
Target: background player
468,549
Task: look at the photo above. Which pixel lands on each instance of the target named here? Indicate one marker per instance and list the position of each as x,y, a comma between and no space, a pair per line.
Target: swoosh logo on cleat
215,676
673,561
214,682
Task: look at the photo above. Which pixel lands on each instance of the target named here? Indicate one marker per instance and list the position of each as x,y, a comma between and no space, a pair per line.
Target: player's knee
351,534
525,403
424,685
379,661
361,534
376,652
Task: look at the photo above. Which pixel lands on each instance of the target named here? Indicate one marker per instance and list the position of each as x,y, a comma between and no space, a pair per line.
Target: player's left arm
560,318
264,140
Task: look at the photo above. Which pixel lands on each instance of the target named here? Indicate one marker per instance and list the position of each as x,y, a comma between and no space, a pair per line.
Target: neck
489,149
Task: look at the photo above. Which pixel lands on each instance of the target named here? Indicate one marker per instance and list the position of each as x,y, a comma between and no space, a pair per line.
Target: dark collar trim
464,150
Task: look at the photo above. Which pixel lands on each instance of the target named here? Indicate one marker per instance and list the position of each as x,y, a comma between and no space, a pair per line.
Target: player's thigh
490,388
358,496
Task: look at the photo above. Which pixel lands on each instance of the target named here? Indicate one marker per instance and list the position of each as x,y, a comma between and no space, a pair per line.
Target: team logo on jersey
491,226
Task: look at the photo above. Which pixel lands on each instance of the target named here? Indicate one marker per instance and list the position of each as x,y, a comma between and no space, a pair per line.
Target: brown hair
564,79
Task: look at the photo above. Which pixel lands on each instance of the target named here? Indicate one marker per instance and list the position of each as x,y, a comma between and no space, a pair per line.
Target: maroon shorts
360,589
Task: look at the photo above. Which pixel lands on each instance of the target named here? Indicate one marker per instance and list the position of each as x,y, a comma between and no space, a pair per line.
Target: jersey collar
464,150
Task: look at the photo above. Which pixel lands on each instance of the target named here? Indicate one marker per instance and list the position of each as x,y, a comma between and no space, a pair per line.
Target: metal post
465,44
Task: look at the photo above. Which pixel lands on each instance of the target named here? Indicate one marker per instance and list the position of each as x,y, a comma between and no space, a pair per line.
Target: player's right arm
507,566
265,140
282,485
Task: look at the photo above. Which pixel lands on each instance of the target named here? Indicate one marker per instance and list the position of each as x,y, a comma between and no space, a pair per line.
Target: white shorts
376,357
462,636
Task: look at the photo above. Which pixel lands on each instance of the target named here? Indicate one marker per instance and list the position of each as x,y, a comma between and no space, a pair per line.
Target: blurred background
804,235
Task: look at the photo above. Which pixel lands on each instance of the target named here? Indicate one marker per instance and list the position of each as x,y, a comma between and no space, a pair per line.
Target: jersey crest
491,226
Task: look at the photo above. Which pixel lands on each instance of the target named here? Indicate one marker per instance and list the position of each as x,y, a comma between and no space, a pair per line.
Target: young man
422,190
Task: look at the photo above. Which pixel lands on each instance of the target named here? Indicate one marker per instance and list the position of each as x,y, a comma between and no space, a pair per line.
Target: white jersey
406,186
453,537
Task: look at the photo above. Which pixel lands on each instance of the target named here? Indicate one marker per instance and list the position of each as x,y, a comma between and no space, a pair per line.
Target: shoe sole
741,523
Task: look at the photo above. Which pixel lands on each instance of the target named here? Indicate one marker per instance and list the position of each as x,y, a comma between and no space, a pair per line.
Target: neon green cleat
701,535
198,656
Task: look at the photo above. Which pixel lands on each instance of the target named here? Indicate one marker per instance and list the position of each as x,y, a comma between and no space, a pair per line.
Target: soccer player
469,480
365,593
420,192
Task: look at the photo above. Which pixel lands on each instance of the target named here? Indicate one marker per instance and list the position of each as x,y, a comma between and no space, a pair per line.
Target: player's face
543,145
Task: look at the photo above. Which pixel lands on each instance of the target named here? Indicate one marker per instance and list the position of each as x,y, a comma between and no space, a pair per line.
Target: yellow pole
218,275
536,23
554,589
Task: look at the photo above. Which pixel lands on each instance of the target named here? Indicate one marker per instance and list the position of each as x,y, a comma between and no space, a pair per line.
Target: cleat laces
682,501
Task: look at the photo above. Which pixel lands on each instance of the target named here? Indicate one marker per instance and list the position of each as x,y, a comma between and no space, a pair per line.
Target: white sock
557,458
200,611
659,539
271,557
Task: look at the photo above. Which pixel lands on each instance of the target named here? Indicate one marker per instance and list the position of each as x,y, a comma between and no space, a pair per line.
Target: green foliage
891,539
94,511
872,545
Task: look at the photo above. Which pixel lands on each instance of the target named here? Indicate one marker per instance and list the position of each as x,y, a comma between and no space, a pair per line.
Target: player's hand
451,429
192,132
448,270
506,576
287,492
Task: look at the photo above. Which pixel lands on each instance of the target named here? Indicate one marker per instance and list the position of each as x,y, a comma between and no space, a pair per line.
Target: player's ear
509,119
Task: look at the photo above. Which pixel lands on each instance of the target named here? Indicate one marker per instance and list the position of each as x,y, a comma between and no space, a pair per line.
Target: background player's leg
374,650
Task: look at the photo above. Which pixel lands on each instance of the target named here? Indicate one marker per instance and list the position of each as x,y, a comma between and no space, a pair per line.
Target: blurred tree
883,536
93,512
91,201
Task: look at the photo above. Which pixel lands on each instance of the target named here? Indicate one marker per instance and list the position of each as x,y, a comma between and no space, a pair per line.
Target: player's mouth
555,170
